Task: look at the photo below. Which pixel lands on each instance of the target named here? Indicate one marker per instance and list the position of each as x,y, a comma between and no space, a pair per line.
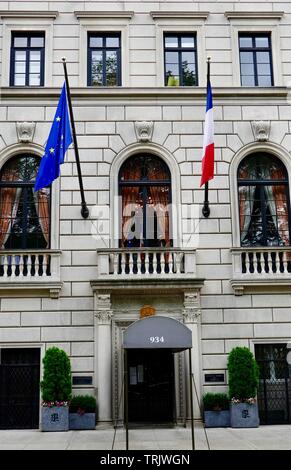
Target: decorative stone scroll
261,130
144,130
191,312
103,312
25,131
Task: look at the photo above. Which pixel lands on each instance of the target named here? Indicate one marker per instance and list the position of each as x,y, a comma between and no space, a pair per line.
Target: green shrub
83,404
215,401
56,385
243,374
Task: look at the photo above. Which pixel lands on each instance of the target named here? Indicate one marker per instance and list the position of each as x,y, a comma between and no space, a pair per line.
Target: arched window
24,215
145,190
264,207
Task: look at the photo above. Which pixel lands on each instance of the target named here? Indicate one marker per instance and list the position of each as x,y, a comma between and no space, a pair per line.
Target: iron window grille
104,59
180,59
27,59
256,66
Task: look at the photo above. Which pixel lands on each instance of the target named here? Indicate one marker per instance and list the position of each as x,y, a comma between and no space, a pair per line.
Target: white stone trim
95,25
193,15
257,25
240,15
180,26
36,149
254,147
28,14
103,14
29,25
159,151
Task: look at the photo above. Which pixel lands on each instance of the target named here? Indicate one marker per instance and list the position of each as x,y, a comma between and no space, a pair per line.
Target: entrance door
19,388
150,386
274,394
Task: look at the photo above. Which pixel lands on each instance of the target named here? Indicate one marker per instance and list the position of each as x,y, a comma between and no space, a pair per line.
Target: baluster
28,264
130,262
5,266
146,262
178,263
36,265
20,265
171,262
256,261
12,265
163,262
277,261
154,257
45,264
247,262
115,263
123,256
284,262
139,262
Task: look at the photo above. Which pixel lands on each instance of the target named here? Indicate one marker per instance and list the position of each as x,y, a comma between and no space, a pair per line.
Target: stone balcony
260,266
33,270
154,269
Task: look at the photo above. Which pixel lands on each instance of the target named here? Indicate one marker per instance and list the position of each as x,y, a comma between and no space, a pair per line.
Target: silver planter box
82,421
243,415
217,419
55,418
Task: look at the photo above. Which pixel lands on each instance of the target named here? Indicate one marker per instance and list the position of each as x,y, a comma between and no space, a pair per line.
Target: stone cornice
28,14
259,15
198,15
103,14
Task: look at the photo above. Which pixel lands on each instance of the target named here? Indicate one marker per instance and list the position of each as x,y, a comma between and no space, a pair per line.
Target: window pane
34,55
248,80
19,67
246,58
97,68
20,55
34,67
111,68
262,41
247,69
263,57
264,69
172,57
246,41
189,75
37,42
264,80
96,42
112,42
171,41
34,79
187,42
188,57
19,79
20,42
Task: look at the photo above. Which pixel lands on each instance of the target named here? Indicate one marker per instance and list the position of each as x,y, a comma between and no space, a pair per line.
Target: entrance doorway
151,386
19,388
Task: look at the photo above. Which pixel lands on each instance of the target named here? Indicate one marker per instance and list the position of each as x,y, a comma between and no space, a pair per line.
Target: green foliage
243,374
83,403
215,401
57,382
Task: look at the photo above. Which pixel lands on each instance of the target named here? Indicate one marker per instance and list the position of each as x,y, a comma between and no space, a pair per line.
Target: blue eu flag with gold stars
60,138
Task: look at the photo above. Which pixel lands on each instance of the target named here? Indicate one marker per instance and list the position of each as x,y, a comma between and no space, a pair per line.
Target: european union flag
60,138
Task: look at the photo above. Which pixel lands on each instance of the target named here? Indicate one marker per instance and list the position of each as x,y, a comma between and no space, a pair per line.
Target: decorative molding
259,15
261,130
103,312
191,312
144,130
104,317
28,14
198,15
103,14
34,288
25,131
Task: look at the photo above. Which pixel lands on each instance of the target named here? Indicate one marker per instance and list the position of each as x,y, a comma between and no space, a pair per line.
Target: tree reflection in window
24,215
263,201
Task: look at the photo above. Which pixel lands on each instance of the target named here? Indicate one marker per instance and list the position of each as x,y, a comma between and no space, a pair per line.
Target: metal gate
19,388
274,394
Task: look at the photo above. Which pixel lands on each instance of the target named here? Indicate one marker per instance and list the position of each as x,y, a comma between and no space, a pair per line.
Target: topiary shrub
243,375
215,402
83,404
56,386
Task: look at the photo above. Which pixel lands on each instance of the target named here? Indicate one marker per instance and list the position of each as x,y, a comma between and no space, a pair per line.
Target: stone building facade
231,289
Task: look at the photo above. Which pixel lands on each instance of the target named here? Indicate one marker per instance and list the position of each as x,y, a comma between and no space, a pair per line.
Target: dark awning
157,333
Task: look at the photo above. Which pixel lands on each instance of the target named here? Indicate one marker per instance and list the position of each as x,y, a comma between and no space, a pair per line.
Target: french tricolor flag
208,139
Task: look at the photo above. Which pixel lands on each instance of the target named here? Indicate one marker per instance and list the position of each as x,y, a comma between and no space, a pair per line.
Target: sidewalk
262,438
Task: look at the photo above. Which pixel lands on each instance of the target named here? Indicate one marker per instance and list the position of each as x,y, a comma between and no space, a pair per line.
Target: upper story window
145,190
180,59
27,59
24,215
255,54
104,60
264,208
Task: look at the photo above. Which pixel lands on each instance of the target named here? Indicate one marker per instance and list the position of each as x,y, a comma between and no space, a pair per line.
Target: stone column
103,364
191,316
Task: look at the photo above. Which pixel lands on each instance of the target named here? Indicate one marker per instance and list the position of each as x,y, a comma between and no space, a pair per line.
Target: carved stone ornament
261,130
25,131
104,317
191,312
144,130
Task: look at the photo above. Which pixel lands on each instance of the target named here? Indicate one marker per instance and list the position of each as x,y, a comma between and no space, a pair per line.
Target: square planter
217,419
84,421
55,418
243,415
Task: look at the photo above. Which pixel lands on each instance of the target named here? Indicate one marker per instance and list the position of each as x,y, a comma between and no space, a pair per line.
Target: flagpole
84,209
206,208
